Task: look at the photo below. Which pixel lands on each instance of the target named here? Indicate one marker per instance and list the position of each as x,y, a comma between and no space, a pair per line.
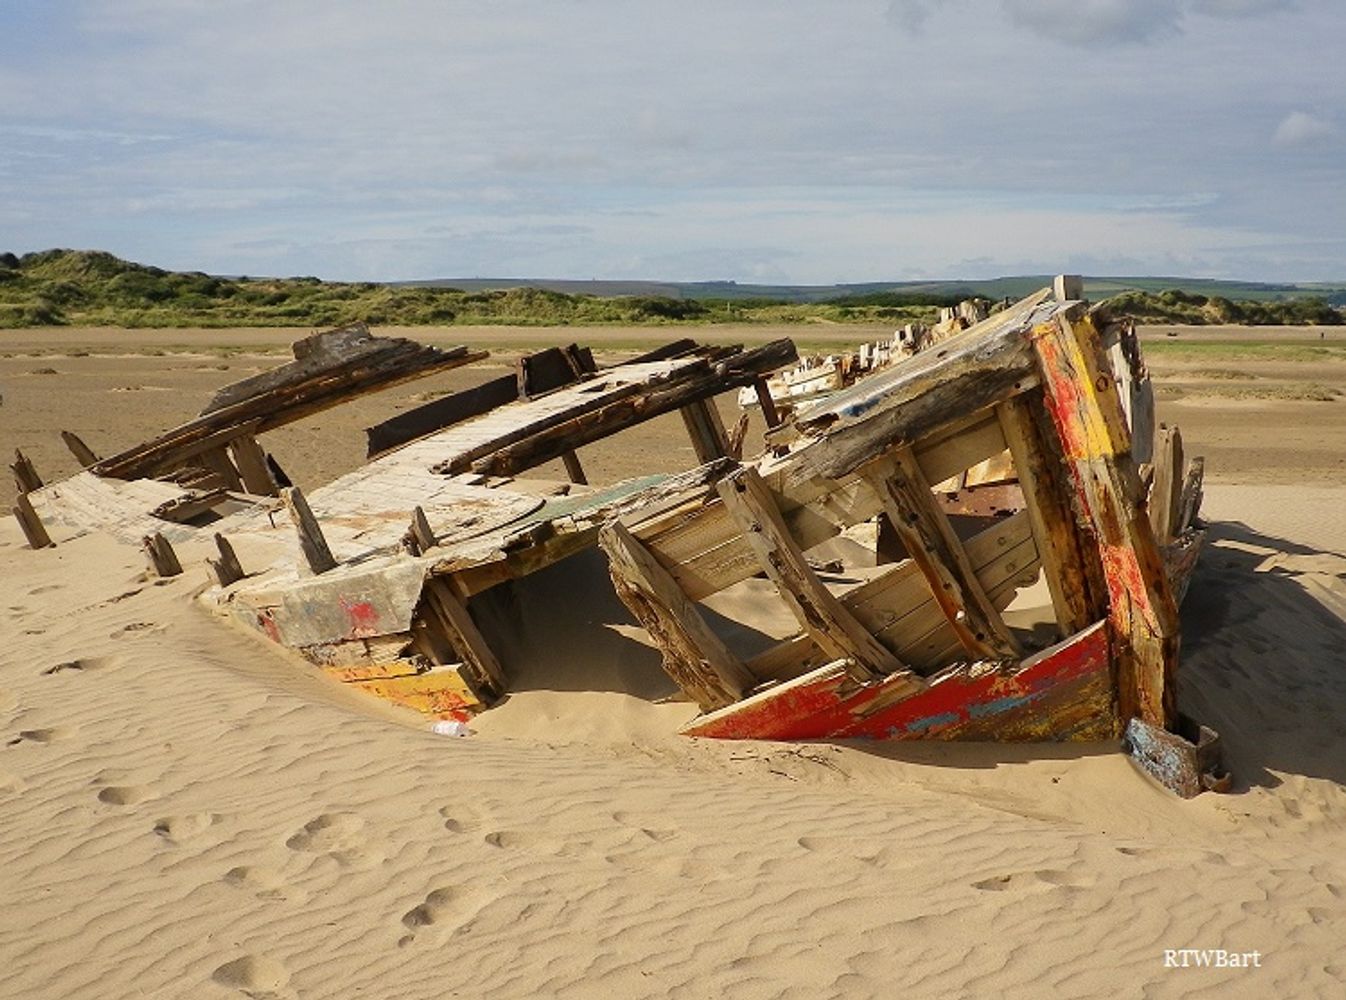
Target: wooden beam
163,560
1190,507
694,656
574,470
25,476
317,556
217,460
1046,496
419,538
738,436
933,546
452,616
1143,616
764,400
821,615
33,528
706,430
252,467
83,453
1165,504
226,569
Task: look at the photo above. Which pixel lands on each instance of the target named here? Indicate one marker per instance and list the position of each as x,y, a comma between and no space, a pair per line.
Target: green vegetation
93,288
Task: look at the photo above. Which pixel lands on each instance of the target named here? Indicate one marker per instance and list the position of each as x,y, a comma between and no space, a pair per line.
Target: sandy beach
189,811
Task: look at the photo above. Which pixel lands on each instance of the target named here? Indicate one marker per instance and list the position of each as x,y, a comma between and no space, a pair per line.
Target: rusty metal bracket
1186,762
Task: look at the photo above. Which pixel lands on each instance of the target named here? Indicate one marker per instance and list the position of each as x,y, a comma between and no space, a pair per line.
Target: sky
813,141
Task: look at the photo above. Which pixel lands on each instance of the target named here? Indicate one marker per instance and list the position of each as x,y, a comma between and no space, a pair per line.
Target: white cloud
1090,22
1299,128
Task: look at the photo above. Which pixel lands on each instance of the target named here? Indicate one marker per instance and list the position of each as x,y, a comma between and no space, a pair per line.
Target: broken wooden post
163,560
419,538
226,569
217,461
764,400
83,453
32,526
1068,287
1165,502
706,430
935,549
317,556
694,656
573,468
24,474
251,462
738,436
1191,495
821,615
449,612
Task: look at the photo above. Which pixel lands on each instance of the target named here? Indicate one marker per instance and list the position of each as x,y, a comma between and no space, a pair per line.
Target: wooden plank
768,405
694,656
600,416
738,436
328,369
898,609
252,468
84,455
439,414
544,371
25,476
1063,693
443,692
313,546
33,529
1083,405
706,431
1165,503
1190,507
419,538
483,669
819,613
933,546
1062,551
217,460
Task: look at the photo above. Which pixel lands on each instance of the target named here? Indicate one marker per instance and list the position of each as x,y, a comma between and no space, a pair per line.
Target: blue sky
807,142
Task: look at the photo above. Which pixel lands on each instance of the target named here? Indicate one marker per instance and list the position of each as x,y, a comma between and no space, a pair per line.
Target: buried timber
1015,530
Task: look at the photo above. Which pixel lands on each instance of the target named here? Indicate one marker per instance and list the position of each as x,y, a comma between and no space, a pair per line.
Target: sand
188,811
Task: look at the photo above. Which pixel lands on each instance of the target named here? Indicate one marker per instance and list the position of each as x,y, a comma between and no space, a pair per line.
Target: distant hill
95,288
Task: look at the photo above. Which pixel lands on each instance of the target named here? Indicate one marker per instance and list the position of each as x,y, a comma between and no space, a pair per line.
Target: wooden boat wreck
377,593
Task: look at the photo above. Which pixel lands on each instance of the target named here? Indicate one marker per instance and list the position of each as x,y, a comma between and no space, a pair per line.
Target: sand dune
187,812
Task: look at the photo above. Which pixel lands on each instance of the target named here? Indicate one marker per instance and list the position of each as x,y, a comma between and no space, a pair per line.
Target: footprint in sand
182,829
125,795
254,975
10,784
82,665
263,882
135,627
444,910
1041,880
338,836
46,589
49,734
644,826
459,820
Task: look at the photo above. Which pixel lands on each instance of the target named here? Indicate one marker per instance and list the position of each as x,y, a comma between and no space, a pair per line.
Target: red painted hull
1062,693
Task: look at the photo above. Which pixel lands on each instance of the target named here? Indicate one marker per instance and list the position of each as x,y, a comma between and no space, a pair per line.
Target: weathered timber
1133,387
1067,287
444,692
183,509
25,476
317,556
574,470
250,460
163,560
419,538
1046,496
706,430
226,569
821,615
33,528
84,455
738,436
1166,491
674,349
984,365
1190,506
933,546
1062,693
439,414
694,657
1082,402
538,373
1185,761
329,369
217,460
587,422
449,612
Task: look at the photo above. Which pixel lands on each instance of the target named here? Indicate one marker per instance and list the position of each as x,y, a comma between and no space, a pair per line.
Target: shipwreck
1019,452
